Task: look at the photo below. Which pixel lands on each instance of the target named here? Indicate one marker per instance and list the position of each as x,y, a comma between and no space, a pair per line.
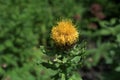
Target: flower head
64,33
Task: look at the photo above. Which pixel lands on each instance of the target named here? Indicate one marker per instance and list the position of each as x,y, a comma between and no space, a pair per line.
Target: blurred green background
26,24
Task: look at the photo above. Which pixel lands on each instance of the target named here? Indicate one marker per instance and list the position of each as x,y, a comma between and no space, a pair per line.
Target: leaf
117,69
118,38
113,21
8,43
2,47
75,76
105,32
103,23
63,77
64,60
76,59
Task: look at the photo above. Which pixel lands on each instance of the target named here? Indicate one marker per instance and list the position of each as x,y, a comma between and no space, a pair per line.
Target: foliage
64,62
25,25
19,37
101,29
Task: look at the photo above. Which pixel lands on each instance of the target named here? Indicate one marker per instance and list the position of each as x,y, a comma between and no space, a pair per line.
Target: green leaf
103,23
65,60
57,64
8,43
63,77
75,76
118,38
117,69
76,59
105,32
113,21
2,47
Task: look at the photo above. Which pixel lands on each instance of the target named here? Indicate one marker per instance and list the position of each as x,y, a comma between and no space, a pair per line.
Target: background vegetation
26,24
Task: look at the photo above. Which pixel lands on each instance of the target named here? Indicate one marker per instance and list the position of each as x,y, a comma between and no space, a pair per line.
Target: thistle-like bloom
64,33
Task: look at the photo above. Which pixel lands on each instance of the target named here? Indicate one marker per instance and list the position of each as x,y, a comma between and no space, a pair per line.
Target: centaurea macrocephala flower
64,33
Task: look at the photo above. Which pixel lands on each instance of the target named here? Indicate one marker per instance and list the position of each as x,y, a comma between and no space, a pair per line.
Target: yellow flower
64,33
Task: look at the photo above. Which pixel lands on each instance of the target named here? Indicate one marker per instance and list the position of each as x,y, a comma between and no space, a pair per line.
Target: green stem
66,77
